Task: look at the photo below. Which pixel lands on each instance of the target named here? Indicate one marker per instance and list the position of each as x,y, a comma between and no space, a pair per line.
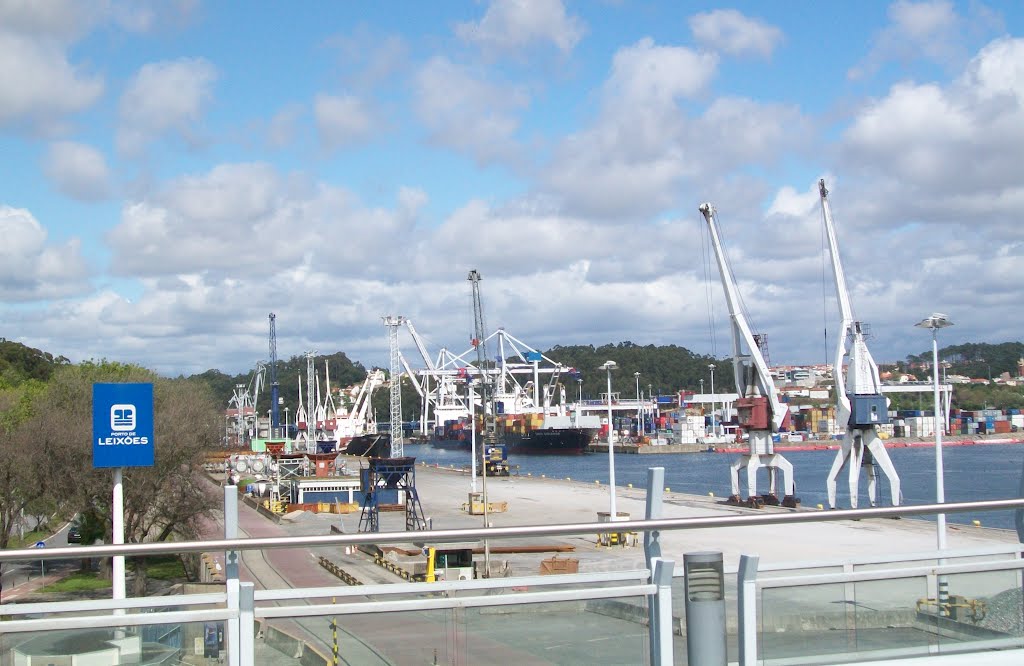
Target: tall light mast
759,410
275,416
860,405
397,444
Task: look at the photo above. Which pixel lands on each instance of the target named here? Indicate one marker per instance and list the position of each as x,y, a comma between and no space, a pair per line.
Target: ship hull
377,445
457,444
549,441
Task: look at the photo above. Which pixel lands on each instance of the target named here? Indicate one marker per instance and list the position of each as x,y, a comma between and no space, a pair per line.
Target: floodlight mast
759,410
860,405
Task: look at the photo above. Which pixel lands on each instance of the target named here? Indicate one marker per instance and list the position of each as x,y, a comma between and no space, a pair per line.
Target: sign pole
117,519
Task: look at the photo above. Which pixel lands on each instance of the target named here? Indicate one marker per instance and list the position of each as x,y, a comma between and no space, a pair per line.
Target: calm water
971,473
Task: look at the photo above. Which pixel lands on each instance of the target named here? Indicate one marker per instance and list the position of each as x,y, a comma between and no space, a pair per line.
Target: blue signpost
122,436
122,425
42,566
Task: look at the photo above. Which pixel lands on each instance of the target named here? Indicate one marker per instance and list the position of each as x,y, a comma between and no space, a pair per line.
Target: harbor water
975,472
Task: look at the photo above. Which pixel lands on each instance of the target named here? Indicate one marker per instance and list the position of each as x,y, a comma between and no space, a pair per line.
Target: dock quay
532,501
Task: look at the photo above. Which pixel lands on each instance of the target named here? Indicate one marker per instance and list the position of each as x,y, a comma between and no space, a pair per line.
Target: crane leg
881,456
777,461
734,479
837,466
856,458
753,464
872,484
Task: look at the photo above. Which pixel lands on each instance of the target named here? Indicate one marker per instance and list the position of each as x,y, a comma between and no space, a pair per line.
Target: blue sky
176,170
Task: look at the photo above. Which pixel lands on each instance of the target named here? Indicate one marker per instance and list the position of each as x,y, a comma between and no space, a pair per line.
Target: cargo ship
522,434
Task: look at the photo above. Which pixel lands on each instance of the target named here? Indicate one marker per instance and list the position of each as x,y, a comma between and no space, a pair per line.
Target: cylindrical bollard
705,608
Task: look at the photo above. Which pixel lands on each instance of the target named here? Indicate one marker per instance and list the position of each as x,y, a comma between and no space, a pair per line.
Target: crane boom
759,410
860,405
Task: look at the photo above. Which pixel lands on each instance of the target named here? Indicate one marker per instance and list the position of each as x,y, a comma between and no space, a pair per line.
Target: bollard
705,608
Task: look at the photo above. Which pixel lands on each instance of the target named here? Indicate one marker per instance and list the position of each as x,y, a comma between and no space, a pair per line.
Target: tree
18,488
161,502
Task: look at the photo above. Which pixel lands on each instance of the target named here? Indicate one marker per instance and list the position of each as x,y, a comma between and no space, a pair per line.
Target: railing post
655,502
231,574
652,543
746,585
247,623
659,613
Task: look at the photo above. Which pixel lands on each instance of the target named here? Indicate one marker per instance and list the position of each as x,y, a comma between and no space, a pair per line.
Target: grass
29,540
80,581
165,567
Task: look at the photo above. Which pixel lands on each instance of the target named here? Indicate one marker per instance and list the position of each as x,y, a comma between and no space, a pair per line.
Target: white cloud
162,97
646,73
467,113
241,219
38,86
62,19
342,120
30,268
954,142
78,170
511,25
644,146
932,31
729,31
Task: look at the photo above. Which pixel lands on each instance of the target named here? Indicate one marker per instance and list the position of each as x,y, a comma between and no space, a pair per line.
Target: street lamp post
639,409
935,322
714,421
609,366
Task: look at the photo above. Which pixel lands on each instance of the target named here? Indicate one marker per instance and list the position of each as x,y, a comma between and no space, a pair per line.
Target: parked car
74,535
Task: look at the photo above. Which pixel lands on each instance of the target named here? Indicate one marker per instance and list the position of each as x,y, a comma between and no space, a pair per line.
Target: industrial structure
759,411
860,405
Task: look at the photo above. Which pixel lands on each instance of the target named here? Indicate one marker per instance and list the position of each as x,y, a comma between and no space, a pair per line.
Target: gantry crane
495,459
759,410
860,405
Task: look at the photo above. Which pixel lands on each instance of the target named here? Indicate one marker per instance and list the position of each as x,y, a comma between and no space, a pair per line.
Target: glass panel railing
886,618
982,609
805,621
151,644
596,631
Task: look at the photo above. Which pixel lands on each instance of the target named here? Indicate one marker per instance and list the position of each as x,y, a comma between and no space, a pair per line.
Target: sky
173,171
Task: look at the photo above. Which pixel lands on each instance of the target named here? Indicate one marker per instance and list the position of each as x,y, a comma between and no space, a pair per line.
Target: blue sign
122,425
40,544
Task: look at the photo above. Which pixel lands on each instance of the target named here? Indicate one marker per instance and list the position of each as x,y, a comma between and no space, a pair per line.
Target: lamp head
608,365
936,320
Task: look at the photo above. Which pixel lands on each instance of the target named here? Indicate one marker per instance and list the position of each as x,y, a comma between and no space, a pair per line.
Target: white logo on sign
122,417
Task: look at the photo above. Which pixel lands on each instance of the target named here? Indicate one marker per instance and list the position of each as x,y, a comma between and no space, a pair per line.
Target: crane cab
868,410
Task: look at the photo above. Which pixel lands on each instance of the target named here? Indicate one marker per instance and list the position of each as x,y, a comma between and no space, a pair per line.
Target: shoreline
813,445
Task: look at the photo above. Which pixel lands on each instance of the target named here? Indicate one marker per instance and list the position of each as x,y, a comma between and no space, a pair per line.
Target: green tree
165,501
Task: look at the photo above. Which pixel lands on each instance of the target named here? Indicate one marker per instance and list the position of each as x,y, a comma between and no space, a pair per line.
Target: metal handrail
478,533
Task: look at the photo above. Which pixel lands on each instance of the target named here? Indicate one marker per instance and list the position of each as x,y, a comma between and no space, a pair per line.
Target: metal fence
805,613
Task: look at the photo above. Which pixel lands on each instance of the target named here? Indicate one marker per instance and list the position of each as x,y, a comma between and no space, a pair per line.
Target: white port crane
860,405
759,410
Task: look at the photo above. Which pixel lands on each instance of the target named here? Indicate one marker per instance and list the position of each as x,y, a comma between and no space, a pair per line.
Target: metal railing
241,607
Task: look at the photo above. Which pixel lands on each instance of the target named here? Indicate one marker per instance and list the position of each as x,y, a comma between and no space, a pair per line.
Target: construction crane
860,405
275,397
495,458
759,411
